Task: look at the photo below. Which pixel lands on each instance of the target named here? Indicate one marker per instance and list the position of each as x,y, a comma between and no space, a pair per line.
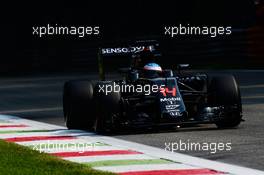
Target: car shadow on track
138,131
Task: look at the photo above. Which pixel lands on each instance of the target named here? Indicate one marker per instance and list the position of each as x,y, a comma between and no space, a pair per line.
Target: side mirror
124,70
183,66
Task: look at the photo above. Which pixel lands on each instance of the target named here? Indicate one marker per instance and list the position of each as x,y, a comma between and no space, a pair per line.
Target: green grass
20,160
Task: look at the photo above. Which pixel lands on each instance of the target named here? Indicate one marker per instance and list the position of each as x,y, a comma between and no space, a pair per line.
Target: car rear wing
122,54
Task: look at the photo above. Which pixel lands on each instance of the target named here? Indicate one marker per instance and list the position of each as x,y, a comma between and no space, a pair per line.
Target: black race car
148,96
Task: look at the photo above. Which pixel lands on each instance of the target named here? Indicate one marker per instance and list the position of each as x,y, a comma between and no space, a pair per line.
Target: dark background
126,21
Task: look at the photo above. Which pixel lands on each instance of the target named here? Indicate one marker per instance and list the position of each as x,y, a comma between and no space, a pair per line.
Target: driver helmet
152,70
152,67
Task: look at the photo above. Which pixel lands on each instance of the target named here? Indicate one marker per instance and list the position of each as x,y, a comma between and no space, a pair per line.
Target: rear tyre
78,104
107,108
224,91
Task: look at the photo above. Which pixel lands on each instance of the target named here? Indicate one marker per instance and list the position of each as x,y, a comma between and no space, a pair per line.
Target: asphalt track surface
39,97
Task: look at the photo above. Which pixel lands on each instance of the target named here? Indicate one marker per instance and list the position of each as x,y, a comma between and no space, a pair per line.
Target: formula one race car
149,96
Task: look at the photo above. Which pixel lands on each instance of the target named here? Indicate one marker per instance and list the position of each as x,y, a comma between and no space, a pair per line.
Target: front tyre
78,104
107,108
224,91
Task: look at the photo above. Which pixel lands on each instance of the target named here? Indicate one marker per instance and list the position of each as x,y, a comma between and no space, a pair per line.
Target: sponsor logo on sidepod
170,99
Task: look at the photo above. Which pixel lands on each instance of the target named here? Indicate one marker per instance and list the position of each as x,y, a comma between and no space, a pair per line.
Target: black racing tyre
78,104
224,91
107,108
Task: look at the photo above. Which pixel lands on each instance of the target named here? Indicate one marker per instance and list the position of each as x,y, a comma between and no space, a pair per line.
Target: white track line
20,129
17,120
31,110
251,86
131,168
87,159
7,123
